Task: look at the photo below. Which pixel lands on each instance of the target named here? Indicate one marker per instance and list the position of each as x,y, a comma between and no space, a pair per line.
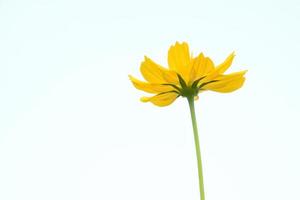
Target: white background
72,126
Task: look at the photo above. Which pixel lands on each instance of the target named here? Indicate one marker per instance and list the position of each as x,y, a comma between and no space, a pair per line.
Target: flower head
186,76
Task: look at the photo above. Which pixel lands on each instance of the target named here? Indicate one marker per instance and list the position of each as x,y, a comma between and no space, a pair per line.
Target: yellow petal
179,59
155,73
201,67
226,64
149,87
163,99
217,72
227,83
229,86
231,76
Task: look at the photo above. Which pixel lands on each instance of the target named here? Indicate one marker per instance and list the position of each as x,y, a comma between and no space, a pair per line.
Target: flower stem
197,145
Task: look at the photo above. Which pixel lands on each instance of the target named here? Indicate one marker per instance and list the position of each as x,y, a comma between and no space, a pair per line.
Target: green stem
197,145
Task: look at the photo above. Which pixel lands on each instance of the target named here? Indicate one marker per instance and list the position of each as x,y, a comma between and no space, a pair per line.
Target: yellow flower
186,76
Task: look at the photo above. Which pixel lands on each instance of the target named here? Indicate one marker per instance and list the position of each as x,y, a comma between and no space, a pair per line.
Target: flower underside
186,76
187,90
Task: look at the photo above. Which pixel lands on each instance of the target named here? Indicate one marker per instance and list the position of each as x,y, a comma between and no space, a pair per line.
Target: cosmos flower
185,76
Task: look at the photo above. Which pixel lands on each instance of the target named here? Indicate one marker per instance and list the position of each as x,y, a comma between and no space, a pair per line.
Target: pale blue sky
72,127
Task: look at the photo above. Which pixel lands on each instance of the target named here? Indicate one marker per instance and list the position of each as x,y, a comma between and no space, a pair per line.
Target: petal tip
144,99
244,71
131,78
